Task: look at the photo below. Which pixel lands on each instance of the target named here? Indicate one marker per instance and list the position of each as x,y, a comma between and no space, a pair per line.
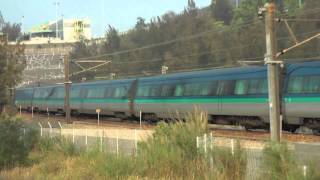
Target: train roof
245,71
211,72
116,81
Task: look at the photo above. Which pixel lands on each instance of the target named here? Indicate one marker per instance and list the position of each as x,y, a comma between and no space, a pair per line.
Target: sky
122,14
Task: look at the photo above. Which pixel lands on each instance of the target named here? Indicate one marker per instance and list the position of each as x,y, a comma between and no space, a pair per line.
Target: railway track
90,121
236,132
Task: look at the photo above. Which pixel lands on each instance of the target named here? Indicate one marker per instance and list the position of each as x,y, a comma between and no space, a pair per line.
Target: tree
1,20
13,31
12,63
14,144
113,40
216,36
222,11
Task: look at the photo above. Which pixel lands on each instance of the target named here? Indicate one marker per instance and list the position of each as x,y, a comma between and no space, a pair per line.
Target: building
61,31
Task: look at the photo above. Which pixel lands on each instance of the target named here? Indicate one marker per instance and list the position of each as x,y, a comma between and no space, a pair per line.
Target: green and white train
229,96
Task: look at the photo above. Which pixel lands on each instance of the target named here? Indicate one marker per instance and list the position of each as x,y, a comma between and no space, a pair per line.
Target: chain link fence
254,153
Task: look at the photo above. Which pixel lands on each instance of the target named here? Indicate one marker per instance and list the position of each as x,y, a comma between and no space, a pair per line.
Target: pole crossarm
297,45
91,68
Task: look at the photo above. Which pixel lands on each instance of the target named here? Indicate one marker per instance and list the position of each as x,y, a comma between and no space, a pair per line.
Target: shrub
280,163
172,147
15,142
227,165
58,144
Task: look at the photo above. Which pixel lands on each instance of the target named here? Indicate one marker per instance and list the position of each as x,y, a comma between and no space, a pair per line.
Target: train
237,95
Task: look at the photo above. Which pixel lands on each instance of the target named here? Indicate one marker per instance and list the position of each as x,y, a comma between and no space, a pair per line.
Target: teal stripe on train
228,100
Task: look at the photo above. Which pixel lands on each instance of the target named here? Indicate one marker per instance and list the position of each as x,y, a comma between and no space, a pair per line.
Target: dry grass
170,153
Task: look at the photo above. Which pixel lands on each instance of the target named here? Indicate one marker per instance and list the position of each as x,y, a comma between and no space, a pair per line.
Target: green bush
227,165
58,144
170,153
15,142
279,162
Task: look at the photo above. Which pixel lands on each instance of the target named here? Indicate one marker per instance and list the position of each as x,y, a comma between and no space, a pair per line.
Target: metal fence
124,141
253,150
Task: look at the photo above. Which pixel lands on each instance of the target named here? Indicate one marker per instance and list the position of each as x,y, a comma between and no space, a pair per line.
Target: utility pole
67,85
273,72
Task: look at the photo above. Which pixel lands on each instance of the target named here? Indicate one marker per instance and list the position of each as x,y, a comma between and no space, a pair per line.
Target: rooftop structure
61,31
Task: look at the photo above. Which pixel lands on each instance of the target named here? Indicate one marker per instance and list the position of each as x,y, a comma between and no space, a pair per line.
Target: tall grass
279,162
170,153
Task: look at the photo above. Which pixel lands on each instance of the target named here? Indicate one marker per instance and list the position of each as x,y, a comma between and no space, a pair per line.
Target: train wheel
291,128
75,113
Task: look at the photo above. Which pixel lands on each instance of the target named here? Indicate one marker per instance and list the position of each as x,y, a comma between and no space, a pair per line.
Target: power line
304,12
303,20
167,42
189,55
300,34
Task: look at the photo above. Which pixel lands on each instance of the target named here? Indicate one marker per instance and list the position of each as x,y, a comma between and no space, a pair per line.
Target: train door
131,96
82,104
220,86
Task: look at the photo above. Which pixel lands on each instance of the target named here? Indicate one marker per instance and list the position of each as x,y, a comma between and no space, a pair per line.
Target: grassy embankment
170,153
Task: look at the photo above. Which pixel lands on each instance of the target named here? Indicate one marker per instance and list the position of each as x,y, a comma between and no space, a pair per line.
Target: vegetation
11,60
218,35
279,163
170,153
15,142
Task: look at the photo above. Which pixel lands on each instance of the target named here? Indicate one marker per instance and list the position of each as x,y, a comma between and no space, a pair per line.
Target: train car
23,98
54,100
40,98
227,95
111,97
301,104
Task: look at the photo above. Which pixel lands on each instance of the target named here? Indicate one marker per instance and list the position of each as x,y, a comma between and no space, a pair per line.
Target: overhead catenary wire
189,55
302,20
300,34
190,37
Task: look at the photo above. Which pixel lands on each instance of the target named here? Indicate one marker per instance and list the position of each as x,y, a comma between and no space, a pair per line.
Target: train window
96,93
255,86
213,88
29,93
108,92
196,89
264,86
154,91
295,84
190,89
178,90
45,93
120,92
241,87
75,92
143,91
167,90
37,93
311,84
203,89
60,93
226,87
